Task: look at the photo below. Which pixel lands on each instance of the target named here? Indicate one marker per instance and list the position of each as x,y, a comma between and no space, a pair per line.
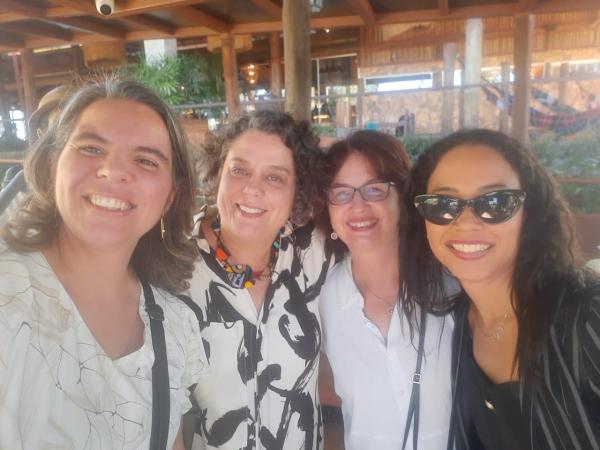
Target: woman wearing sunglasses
526,346
381,349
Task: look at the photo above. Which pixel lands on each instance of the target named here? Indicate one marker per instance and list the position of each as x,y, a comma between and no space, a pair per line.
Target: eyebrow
90,135
274,166
373,180
485,188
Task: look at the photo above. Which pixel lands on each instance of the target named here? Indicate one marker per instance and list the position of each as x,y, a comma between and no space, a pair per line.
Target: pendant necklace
498,331
390,306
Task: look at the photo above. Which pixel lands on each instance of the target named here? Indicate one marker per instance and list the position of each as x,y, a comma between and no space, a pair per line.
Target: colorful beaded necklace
241,275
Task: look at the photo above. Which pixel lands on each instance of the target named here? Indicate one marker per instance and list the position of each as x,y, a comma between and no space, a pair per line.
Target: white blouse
261,391
58,388
373,377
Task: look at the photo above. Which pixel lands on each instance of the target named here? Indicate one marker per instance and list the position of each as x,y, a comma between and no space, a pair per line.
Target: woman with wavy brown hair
526,347
86,265
256,286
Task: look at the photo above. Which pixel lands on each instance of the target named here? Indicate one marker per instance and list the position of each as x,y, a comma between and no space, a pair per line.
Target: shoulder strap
161,405
413,406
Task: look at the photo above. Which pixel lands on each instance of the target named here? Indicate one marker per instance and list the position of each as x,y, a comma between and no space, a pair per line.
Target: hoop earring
334,235
162,228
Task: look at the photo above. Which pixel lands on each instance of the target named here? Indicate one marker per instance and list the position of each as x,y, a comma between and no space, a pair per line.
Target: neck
491,301
93,269
387,262
255,253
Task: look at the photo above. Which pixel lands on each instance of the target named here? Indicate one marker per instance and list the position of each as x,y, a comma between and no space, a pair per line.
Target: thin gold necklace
498,331
390,306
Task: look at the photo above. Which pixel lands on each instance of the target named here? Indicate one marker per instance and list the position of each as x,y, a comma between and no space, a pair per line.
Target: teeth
113,204
362,224
249,210
470,248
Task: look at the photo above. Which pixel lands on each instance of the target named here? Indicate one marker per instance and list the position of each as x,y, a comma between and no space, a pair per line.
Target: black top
561,411
493,409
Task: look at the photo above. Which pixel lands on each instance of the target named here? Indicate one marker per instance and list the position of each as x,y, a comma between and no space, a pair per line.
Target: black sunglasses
492,207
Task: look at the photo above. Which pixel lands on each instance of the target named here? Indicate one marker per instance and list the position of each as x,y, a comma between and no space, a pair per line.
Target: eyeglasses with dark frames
373,191
492,207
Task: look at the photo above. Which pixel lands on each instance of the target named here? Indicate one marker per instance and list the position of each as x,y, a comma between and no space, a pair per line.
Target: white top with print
261,391
58,388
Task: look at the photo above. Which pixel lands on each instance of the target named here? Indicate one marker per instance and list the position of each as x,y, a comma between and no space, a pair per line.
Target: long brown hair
164,263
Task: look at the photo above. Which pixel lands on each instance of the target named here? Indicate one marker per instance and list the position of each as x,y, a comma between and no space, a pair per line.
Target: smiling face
257,187
114,176
361,225
474,251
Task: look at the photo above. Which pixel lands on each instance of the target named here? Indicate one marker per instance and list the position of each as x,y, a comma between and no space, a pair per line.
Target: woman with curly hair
86,265
256,286
526,346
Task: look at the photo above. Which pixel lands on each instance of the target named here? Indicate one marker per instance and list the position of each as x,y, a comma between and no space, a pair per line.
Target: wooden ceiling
47,23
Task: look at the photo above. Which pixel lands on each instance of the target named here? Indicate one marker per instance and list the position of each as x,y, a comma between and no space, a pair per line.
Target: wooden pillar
230,72
77,64
29,88
275,50
505,77
5,111
449,53
473,49
524,24
562,84
296,53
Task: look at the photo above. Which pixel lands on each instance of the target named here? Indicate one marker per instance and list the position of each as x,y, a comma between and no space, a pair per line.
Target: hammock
565,123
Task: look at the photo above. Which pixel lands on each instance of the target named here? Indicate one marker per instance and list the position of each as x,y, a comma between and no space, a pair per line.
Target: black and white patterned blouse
261,390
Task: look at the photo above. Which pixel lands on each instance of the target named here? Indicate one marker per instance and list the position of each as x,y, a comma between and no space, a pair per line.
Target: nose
253,186
468,219
114,168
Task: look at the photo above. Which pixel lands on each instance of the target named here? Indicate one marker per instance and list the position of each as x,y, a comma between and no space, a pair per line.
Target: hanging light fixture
250,72
315,5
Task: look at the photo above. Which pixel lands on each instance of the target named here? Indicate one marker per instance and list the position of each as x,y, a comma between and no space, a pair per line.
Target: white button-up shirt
373,375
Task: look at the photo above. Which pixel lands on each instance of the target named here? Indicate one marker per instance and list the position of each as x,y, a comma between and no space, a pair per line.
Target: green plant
182,79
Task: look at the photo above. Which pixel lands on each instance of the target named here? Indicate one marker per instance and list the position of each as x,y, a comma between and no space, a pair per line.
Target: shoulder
338,287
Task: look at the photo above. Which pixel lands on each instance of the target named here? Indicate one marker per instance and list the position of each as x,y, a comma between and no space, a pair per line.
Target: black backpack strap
413,406
161,402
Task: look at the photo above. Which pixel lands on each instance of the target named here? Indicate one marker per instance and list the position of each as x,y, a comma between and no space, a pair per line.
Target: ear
170,199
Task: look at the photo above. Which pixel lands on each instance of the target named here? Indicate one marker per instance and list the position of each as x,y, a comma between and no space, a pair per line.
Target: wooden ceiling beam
23,9
84,6
364,10
11,41
93,27
203,19
270,7
135,7
444,7
39,29
152,23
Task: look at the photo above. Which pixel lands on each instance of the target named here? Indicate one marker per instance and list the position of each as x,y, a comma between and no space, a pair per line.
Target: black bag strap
413,406
161,402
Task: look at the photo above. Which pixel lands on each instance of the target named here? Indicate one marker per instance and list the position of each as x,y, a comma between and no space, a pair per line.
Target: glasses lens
438,209
375,192
340,195
497,207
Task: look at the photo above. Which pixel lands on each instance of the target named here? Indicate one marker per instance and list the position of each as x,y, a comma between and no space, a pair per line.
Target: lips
361,224
110,203
250,210
469,250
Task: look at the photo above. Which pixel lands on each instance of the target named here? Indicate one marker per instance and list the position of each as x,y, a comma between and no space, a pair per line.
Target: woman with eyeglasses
390,360
526,348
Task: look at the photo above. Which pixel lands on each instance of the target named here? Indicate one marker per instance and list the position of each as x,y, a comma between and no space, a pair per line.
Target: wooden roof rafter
364,10
90,26
444,7
40,29
203,19
152,23
270,7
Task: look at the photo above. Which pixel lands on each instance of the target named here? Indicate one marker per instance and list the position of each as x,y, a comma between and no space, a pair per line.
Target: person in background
526,347
372,334
257,284
86,264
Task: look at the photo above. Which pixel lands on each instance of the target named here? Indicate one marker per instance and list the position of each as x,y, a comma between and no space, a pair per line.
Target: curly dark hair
547,251
164,263
297,136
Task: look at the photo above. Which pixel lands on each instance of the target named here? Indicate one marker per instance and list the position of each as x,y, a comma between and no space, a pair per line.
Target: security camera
105,7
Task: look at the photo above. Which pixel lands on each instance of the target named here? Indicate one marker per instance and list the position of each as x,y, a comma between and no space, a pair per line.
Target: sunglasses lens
438,209
497,207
